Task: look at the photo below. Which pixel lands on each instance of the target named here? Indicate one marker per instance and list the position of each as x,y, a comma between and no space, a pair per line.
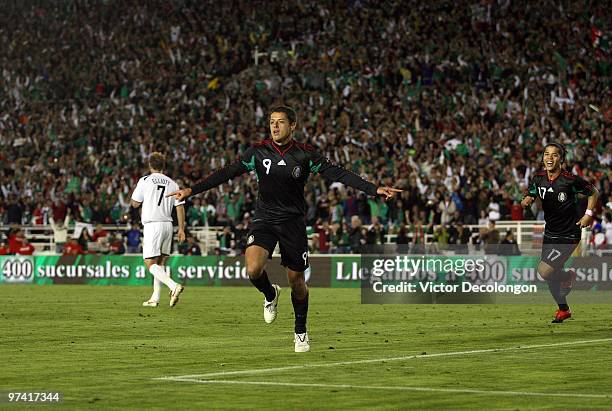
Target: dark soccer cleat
561,316
569,283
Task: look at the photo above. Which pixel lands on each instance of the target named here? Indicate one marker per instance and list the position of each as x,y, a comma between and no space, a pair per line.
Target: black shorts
291,237
556,251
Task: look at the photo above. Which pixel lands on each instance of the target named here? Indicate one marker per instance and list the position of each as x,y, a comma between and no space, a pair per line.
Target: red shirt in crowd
15,244
73,248
59,211
99,234
26,249
37,216
516,211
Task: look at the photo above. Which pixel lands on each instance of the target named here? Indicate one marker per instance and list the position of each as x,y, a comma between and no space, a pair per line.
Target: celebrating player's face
280,129
552,158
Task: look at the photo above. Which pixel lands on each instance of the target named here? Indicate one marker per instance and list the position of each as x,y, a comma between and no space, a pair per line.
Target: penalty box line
397,388
198,377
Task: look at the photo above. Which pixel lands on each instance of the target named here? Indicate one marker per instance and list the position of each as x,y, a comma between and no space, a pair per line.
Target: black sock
563,292
554,287
300,307
564,307
262,283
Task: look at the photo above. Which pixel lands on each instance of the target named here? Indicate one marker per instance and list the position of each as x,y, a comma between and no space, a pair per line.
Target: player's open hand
388,192
180,194
585,221
526,201
181,236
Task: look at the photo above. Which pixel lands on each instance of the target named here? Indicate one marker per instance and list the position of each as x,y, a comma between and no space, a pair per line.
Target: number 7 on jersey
161,196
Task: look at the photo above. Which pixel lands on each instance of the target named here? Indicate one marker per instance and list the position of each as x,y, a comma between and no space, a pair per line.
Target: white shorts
157,239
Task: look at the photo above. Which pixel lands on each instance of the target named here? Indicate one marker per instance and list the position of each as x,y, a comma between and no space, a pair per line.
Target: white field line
374,360
379,388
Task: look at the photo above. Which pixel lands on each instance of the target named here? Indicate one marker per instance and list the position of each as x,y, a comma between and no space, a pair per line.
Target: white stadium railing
528,235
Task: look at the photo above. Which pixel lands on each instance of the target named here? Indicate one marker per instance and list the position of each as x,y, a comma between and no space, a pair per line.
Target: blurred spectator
116,245
418,237
453,233
464,239
440,239
14,210
516,211
99,233
60,232
226,240
4,249
323,234
508,245
447,208
84,240
196,213
73,248
491,238
402,235
26,248
191,247
376,233
133,238
356,237
15,240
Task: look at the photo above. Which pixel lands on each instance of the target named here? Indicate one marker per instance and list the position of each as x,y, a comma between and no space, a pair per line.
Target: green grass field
102,350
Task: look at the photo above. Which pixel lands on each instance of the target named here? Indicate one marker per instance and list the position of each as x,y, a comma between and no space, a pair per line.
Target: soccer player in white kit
156,219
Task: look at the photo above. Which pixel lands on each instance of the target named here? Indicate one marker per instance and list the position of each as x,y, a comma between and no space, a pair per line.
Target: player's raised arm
217,177
333,172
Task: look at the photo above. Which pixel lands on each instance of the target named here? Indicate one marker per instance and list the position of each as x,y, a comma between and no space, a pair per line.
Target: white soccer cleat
150,303
270,310
174,295
302,344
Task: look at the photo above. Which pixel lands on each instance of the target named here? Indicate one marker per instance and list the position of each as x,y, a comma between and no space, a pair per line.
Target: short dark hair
157,161
289,112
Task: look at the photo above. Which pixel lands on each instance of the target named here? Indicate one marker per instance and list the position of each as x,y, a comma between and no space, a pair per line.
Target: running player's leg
155,267
156,295
256,257
560,282
261,242
299,299
547,272
154,236
153,301
294,253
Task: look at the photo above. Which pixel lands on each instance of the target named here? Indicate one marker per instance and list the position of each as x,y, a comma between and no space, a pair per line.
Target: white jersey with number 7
151,191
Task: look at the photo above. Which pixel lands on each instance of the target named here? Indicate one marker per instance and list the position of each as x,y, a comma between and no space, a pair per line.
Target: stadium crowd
451,102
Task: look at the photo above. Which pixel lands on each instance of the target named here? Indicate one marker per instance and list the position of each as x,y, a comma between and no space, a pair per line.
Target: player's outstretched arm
181,194
214,179
338,173
388,192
